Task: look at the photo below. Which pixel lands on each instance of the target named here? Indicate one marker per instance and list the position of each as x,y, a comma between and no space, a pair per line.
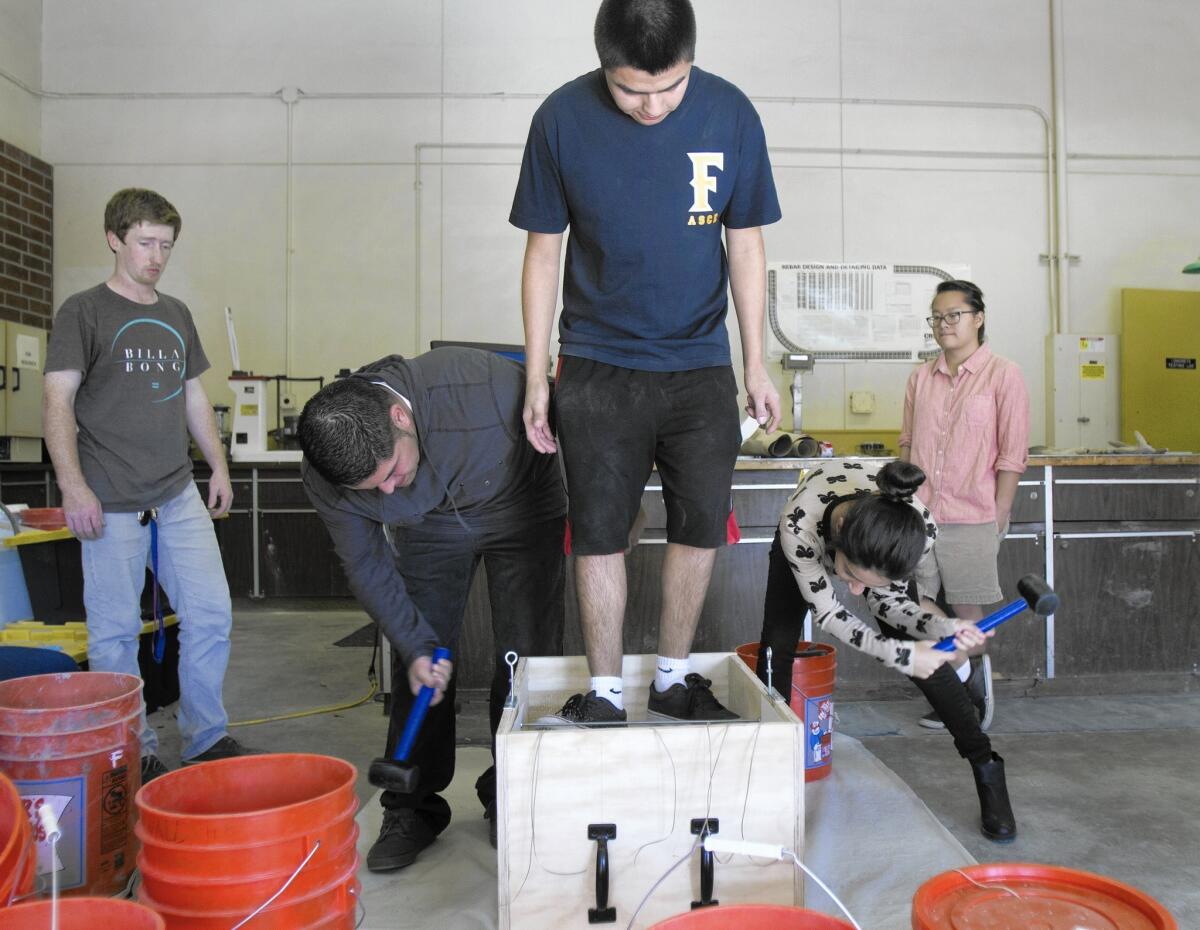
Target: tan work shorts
963,561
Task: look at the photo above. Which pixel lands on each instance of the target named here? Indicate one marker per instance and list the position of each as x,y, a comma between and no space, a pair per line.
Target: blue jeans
191,572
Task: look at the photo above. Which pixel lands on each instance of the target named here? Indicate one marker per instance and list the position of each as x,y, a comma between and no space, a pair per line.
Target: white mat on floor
869,837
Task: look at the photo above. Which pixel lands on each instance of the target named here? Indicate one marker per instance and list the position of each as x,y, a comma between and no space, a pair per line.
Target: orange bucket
279,852
752,917
43,518
220,839
18,857
71,740
813,676
83,914
1000,895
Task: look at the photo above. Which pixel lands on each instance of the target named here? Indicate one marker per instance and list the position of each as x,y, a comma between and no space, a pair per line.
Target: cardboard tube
806,447
768,445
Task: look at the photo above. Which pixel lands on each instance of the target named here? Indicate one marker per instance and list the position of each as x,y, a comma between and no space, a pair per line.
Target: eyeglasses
950,318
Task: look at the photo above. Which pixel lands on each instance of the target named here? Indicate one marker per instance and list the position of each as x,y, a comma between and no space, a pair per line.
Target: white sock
609,687
965,672
668,672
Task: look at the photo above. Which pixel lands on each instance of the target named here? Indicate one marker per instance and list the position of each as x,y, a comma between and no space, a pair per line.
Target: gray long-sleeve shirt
476,467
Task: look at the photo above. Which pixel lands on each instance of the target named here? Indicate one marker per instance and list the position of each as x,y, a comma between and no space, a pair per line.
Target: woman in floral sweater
860,522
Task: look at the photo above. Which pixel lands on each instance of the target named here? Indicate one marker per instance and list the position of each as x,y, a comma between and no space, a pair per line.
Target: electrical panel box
22,354
1160,384
1084,408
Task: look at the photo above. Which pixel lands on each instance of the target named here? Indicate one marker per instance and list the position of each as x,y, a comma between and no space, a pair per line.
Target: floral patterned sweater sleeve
802,530
893,606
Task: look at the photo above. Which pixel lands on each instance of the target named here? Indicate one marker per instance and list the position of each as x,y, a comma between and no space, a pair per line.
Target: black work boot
403,835
995,811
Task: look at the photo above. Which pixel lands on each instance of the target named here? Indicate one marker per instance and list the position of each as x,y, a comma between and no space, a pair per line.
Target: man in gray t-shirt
122,393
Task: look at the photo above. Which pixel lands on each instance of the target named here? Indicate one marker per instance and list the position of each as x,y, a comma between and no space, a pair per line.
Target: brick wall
26,237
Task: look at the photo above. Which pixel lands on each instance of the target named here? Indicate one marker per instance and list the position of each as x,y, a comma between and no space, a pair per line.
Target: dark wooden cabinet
296,557
1128,600
31,485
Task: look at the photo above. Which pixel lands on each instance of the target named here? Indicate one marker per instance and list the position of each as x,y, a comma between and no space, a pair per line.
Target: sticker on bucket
68,799
818,719
114,813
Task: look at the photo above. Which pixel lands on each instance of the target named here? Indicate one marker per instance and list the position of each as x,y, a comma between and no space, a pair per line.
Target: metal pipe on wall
1058,250
290,96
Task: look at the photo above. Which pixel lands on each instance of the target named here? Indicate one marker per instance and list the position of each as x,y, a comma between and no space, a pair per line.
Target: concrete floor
1105,783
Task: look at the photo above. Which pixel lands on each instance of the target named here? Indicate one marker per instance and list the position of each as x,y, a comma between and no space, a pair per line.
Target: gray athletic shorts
963,561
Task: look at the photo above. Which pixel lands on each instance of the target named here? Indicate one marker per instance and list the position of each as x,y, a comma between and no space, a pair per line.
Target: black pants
783,617
615,424
525,586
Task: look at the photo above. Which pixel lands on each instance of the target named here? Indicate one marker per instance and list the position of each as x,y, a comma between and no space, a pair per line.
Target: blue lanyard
160,631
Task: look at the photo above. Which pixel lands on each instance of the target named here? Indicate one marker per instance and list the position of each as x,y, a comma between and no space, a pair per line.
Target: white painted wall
21,57
373,234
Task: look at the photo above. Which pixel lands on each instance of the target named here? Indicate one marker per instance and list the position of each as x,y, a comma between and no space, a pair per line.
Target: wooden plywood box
651,781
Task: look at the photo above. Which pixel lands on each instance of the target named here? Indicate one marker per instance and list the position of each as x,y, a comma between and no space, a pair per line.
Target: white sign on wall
858,306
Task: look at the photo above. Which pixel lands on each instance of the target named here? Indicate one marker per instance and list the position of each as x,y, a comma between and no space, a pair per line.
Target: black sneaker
401,838
152,767
979,686
692,700
490,816
585,710
224,748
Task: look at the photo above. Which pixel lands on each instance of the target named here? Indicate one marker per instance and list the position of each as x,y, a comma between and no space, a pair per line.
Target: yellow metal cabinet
1160,384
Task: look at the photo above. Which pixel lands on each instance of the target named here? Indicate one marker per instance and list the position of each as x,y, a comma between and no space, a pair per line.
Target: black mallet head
1037,594
401,777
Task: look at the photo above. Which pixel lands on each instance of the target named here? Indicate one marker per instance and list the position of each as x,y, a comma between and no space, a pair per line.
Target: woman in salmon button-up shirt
966,424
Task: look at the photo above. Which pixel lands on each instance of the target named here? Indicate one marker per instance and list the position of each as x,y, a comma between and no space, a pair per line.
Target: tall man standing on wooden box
122,393
647,159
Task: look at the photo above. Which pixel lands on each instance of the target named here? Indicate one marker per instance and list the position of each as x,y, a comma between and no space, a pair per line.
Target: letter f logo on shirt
702,183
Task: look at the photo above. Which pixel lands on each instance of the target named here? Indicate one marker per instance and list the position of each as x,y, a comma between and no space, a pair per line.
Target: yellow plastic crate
70,638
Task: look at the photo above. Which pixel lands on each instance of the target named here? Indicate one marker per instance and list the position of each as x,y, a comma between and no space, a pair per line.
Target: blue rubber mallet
397,773
1035,595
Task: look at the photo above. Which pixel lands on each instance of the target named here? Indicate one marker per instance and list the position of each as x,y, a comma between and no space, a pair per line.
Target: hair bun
899,480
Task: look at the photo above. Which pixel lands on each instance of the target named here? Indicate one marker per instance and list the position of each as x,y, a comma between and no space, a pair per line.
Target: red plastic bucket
752,917
220,839
1000,895
279,852
83,914
43,518
252,887
72,741
18,856
813,677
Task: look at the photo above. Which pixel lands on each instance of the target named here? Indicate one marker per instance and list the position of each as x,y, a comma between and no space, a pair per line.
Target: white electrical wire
715,844
825,888
988,886
674,799
662,878
49,824
312,852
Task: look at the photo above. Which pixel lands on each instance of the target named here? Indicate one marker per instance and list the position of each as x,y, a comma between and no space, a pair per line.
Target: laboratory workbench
1114,534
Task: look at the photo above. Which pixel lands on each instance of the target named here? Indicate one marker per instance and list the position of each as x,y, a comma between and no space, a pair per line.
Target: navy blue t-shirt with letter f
646,276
